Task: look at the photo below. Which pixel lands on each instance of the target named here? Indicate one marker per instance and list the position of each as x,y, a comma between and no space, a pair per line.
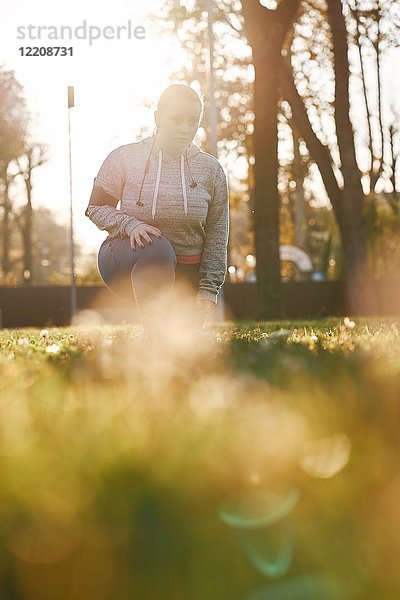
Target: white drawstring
183,184
157,187
153,209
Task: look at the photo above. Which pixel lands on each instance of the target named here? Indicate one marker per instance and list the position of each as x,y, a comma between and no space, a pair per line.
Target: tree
300,65
33,156
351,220
237,105
14,118
373,28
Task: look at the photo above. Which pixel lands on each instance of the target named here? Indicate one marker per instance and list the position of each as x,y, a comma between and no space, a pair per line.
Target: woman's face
177,123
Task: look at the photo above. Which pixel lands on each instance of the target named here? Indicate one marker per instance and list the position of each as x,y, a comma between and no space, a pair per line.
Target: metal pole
71,104
219,311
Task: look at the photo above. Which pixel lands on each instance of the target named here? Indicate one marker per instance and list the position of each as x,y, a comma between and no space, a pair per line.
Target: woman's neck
165,147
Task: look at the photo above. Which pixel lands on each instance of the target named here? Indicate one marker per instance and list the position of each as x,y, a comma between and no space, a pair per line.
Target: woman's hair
179,90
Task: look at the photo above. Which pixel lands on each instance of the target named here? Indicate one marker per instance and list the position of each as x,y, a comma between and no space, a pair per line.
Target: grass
259,462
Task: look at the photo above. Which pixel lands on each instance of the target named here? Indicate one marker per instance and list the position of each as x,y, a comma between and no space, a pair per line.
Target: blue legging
139,275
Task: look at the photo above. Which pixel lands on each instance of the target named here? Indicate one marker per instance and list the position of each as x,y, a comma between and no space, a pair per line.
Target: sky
110,76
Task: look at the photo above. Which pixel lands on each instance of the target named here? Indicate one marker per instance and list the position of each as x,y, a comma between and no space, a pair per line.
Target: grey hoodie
194,219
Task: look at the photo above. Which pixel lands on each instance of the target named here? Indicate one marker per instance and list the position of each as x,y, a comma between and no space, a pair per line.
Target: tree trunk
299,204
357,275
5,229
266,30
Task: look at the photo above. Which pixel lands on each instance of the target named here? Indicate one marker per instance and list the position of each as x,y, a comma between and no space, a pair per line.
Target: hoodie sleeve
107,192
215,254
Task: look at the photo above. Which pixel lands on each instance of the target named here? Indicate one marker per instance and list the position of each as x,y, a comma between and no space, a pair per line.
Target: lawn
258,462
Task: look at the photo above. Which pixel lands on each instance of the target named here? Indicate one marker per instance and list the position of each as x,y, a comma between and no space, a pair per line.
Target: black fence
50,306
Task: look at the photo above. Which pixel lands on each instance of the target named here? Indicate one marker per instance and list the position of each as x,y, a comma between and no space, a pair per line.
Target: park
242,441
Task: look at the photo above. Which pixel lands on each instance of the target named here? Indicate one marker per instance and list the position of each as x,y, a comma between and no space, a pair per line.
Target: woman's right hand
143,231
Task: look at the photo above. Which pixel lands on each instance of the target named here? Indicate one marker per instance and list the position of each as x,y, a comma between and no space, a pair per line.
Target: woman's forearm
102,211
118,223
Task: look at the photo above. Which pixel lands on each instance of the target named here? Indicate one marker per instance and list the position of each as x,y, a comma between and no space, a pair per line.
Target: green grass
130,473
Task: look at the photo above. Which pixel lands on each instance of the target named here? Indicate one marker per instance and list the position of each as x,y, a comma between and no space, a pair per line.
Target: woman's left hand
205,306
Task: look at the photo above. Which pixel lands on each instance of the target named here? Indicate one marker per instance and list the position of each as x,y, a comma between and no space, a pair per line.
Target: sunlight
114,79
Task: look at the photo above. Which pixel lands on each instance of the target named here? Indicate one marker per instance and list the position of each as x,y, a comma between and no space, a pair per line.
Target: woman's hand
143,231
205,306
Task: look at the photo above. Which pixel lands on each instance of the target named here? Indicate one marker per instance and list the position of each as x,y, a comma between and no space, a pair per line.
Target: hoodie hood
165,157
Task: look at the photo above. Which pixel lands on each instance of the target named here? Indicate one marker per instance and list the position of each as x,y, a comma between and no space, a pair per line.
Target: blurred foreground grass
260,462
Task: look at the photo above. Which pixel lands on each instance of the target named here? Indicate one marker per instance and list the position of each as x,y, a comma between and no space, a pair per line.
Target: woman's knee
115,256
159,251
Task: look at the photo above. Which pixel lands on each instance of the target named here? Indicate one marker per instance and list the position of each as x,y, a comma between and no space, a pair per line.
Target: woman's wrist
207,295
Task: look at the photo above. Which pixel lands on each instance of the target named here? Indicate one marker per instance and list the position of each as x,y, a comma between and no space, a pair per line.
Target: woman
174,216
